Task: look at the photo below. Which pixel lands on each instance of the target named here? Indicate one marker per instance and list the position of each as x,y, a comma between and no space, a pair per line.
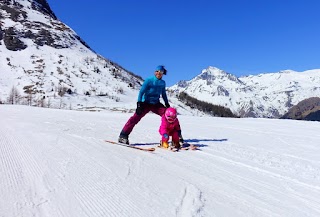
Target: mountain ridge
267,95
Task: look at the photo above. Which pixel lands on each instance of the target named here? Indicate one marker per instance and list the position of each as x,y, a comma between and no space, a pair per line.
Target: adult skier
148,100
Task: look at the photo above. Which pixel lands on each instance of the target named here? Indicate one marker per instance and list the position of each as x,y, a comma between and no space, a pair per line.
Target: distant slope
307,109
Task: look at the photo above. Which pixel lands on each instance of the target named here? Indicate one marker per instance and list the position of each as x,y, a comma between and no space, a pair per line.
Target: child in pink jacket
170,126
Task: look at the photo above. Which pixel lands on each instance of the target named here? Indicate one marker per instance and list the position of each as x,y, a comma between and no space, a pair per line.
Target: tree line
208,108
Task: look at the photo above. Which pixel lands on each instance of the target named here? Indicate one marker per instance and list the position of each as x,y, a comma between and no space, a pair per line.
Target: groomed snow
56,163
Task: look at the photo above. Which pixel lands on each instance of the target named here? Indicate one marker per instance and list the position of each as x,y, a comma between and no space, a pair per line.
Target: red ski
131,146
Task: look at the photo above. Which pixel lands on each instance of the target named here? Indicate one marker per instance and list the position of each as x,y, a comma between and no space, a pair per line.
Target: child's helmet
171,114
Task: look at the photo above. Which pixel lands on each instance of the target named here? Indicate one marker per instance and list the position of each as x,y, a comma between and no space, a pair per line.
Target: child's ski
131,146
187,146
168,149
184,147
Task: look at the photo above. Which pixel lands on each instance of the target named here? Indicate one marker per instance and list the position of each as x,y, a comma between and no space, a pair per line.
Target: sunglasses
161,72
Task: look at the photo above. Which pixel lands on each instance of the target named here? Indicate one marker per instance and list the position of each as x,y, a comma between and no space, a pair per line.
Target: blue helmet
162,69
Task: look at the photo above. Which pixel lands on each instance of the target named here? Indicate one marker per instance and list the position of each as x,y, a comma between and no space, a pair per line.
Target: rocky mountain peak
43,6
33,19
17,7
212,74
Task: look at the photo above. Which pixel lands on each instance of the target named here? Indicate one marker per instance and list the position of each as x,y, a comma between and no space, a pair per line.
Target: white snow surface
56,163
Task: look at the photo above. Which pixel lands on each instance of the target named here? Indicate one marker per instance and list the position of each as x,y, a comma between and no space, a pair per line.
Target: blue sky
242,37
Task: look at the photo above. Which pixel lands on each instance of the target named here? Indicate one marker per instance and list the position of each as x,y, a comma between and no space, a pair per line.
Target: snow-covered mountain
44,61
263,95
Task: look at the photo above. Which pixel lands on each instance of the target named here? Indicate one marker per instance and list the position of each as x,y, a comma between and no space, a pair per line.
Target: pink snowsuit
171,129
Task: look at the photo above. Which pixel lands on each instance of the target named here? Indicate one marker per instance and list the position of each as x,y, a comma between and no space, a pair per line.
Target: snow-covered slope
263,95
56,163
46,62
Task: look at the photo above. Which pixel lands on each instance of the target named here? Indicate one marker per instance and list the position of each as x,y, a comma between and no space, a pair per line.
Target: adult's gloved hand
181,139
139,109
167,105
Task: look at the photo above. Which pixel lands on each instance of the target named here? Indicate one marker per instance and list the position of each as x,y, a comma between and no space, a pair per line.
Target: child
170,126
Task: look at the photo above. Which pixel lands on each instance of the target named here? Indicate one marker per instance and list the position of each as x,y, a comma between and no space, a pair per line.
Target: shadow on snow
193,141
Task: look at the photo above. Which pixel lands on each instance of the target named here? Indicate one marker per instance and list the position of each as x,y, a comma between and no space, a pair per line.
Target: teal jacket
151,90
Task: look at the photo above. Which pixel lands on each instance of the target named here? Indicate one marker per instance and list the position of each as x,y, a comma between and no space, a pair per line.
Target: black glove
181,139
139,108
167,105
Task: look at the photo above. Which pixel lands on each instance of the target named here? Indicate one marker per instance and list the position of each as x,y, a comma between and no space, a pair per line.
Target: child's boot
164,144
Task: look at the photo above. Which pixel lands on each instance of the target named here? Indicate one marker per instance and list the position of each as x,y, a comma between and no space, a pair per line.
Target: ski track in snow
55,163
